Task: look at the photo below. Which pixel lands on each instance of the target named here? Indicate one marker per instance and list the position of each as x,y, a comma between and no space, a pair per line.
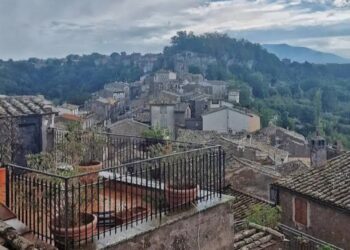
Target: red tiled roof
71,117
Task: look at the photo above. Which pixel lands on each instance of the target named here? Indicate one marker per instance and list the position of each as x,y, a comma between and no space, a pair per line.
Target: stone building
67,108
33,115
163,116
104,109
218,89
233,96
294,143
164,76
317,202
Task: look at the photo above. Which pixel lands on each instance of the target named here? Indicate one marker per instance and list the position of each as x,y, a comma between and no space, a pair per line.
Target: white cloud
46,28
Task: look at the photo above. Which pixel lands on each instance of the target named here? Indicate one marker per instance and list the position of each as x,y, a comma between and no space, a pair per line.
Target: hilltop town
262,170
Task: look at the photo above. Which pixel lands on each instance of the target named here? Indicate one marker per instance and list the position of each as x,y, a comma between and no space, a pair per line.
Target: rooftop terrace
140,179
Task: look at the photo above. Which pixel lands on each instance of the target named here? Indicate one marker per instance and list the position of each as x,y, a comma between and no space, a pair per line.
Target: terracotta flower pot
88,168
84,232
180,196
3,185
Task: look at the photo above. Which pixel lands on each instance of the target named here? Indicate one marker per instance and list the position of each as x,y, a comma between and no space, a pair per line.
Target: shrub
264,215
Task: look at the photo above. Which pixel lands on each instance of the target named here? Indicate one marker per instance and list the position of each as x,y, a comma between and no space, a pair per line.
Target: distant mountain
302,54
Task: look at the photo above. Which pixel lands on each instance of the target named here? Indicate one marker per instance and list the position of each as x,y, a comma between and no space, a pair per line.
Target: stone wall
325,223
251,180
209,229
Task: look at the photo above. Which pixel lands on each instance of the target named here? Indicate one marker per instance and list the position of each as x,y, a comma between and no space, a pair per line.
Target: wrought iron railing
133,187
298,240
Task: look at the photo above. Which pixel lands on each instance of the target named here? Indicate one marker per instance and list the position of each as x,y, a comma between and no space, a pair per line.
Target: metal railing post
7,185
66,213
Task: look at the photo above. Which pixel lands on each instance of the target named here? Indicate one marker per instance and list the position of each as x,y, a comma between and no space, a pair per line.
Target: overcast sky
56,28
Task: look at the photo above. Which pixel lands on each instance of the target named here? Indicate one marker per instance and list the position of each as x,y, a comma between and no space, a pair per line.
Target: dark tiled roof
144,117
24,105
252,236
330,183
243,203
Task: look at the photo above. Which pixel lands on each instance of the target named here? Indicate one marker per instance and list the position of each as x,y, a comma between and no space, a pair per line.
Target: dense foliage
72,78
264,215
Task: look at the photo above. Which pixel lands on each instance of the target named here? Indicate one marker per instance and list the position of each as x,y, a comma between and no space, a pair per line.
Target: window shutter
300,208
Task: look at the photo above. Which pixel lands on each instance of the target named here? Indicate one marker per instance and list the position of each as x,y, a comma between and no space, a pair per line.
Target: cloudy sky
55,28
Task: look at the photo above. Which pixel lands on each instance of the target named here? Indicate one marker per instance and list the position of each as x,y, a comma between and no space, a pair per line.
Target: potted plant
79,225
72,217
9,145
82,149
182,187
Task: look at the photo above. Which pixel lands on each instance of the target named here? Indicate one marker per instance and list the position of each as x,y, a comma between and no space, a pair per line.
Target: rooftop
243,202
330,183
70,117
69,106
242,111
24,105
134,182
253,236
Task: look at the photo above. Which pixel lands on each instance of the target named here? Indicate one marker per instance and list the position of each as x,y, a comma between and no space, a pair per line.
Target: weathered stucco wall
208,230
325,223
252,181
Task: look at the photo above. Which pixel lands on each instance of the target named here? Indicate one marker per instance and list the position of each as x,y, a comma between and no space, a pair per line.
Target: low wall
205,227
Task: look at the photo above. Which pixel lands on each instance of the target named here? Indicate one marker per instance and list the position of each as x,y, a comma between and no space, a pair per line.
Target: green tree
194,69
264,215
317,109
245,96
284,120
329,99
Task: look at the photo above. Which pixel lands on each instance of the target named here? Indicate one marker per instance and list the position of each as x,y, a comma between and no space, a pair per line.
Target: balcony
140,180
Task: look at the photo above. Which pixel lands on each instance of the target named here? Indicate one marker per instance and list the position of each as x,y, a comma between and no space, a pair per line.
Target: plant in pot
182,187
74,219
82,149
157,135
73,212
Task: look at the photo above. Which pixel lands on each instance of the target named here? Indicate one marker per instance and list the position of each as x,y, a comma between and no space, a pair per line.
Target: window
300,211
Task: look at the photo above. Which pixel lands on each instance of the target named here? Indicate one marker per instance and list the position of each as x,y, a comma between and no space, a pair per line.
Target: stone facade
251,180
163,116
208,229
324,222
318,152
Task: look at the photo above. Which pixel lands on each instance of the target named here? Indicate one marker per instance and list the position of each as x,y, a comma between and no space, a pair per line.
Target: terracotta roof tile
24,105
243,203
252,236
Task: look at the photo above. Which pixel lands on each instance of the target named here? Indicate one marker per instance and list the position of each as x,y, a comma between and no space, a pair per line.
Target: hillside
302,96
72,78
302,54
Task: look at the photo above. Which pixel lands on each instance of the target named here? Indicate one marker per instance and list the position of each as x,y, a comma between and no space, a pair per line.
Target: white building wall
216,121
227,120
237,122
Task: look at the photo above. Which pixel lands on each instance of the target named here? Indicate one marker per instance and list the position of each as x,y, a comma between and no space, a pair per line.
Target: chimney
318,152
